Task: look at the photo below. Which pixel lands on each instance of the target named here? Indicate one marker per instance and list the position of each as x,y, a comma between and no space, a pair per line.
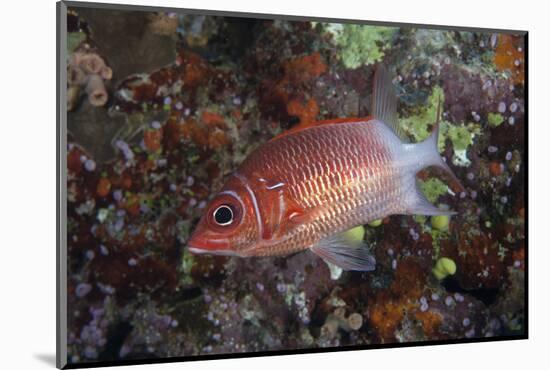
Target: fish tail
426,154
436,160
428,151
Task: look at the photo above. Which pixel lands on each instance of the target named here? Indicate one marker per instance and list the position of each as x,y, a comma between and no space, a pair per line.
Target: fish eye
223,215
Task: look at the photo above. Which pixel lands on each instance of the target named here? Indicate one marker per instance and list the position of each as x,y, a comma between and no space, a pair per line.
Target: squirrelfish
304,188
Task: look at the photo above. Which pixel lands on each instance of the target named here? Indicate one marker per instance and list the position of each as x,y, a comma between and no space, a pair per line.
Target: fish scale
349,195
306,186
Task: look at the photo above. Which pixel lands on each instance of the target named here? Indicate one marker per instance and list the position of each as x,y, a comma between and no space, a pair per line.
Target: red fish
304,188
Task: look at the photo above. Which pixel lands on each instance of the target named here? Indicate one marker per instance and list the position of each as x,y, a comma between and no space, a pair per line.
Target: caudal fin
428,150
428,155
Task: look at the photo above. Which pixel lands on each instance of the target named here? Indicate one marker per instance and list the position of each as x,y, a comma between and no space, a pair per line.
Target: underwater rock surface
208,90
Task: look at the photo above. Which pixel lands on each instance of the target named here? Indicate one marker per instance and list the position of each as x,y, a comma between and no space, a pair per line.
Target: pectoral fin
345,253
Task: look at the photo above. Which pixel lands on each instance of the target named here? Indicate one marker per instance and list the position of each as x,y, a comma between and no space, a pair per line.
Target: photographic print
240,184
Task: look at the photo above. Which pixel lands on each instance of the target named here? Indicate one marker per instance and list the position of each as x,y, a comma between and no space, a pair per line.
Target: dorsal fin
307,125
384,101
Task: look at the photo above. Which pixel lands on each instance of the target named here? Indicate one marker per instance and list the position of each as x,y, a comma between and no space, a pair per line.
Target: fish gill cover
163,106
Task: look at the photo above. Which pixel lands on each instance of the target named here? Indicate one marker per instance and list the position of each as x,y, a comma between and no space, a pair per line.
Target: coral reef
191,96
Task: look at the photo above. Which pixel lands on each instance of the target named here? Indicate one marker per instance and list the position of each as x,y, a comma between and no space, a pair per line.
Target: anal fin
344,253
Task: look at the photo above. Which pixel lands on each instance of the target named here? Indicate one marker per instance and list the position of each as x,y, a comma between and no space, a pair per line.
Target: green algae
186,266
419,125
375,223
431,42
437,236
74,39
355,234
443,268
440,222
460,135
361,44
495,119
433,189
420,219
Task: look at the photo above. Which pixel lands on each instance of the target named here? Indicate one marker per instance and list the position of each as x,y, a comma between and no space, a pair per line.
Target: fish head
228,226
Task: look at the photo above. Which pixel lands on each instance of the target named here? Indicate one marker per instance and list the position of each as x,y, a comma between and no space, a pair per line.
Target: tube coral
87,72
95,89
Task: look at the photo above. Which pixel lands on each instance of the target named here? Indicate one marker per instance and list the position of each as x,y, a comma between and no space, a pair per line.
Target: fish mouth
219,252
218,247
197,250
